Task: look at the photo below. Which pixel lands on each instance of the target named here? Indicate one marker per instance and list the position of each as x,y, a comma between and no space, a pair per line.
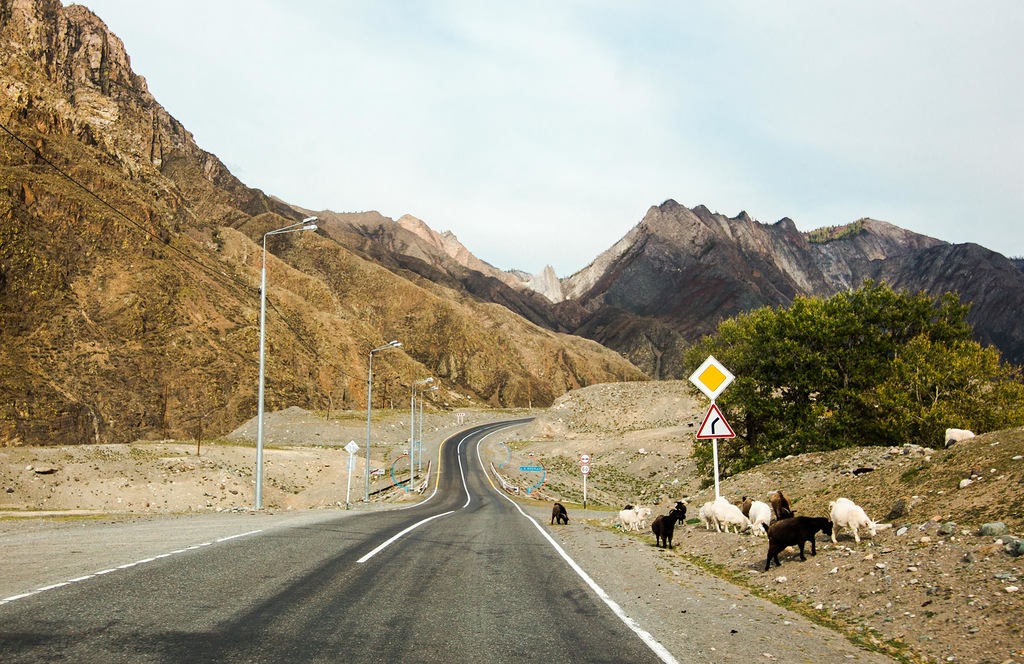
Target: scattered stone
994,529
966,483
948,528
1011,589
899,509
902,531
44,470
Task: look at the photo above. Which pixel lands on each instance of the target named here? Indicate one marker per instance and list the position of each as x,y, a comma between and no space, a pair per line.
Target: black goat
794,531
664,525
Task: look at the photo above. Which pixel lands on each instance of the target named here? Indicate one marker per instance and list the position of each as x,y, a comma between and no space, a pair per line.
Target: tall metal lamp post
306,224
419,438
412,425
369,405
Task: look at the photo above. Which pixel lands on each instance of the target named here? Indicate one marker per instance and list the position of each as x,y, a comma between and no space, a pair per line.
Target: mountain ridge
130,262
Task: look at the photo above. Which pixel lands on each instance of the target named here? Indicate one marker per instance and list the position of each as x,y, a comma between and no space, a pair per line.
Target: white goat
844,513
706,515
957,436
726,514
643,513
760,517
629,519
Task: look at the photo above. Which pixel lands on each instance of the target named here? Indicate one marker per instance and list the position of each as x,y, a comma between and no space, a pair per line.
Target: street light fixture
306,224
369,405
412,424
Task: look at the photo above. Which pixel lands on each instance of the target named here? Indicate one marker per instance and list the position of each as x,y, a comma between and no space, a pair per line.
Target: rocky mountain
130,262
676,274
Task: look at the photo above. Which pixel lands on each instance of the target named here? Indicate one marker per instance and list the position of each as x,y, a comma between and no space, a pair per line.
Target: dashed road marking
12,598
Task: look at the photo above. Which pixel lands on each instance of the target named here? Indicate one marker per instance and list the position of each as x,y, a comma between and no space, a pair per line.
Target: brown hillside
129,273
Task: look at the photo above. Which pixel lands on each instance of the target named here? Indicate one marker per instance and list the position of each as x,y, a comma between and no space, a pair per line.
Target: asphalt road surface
464,576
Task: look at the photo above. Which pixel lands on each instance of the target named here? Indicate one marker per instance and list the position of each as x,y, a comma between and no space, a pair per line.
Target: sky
541,132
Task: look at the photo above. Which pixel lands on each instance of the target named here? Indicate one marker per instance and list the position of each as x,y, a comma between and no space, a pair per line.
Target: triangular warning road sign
714,425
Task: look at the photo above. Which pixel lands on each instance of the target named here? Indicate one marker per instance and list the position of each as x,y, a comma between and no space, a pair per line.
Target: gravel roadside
696,616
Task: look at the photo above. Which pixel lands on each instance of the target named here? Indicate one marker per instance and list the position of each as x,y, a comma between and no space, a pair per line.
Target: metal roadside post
585,469
351,448
712,378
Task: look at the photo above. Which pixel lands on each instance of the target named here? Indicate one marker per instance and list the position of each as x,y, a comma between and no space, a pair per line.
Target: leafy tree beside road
866,367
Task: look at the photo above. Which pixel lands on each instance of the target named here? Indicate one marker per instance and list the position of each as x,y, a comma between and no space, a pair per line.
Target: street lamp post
369,405
306,224
412,425
419,438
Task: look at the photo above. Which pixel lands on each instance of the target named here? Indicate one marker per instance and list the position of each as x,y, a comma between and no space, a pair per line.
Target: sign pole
351,448
712,378
585,469
348,489
714,449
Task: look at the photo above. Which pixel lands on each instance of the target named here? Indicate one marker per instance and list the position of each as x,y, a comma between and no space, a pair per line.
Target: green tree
933,386
810,377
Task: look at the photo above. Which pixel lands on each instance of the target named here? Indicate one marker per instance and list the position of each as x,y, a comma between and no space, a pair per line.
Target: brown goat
780,505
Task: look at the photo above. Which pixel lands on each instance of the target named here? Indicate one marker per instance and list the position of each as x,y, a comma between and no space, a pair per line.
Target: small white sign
351,448
585,469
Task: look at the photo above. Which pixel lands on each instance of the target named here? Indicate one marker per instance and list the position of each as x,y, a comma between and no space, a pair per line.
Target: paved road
462,577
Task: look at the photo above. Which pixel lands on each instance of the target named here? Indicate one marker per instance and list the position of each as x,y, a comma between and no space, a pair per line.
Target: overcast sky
541,132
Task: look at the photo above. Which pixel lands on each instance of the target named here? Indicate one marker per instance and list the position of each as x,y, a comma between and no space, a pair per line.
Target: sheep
559,514
663,527
726,514
780,505
706,515
760,517
794,531
844,513
957,436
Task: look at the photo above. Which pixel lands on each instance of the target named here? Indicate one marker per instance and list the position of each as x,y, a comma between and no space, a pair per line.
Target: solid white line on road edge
393,539
652,643
12,598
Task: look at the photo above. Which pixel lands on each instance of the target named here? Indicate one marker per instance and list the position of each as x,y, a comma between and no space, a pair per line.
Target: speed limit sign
585,469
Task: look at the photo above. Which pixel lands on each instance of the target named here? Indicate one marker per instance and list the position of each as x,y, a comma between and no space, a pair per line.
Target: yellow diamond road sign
712,378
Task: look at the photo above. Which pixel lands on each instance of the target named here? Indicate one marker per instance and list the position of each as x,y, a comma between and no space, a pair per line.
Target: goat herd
755,515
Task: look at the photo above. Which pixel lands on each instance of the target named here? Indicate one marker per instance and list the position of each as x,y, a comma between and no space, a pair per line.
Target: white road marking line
465,488
13,598
652,643
399,535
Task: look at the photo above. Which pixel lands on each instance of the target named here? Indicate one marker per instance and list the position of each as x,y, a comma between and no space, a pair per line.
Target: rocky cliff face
679,272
